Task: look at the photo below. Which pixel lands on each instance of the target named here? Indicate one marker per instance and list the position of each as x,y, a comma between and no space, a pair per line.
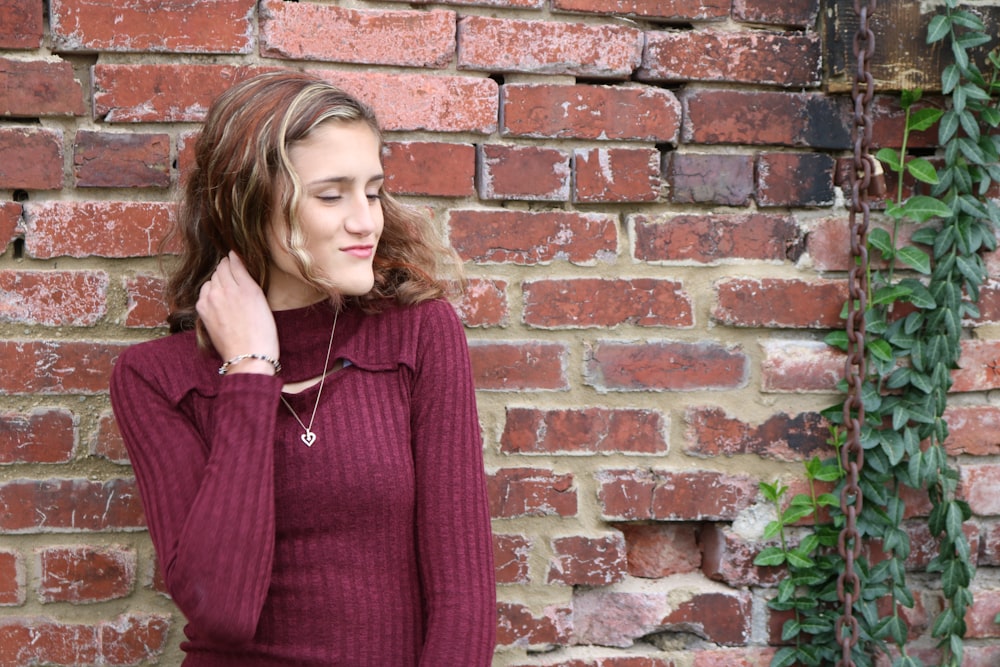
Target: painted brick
800,366
310,31
757,57
779,303
484,303
798,13
616,175
453,175
728,557
31,158
638,494
587,561
12,589
10,219
674,10
528,237
596,302
221,26
978,485
712,432
710,239
70,505
107,441
584,431
96,228
762,117
44,435
511,366
656,365
973,429
518,492
85,574
21,24
795,179
532,173
119,160
627,113
146,302
56,367
53,298
727,180
511,554
517,626
657,550
540,47
39,88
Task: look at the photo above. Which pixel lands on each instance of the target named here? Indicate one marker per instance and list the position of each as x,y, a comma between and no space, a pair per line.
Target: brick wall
646,196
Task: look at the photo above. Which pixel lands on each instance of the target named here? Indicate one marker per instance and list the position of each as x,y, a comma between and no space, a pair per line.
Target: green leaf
922,208
948,126
922,170
949,79
967,19
797,559
785,657
795,513
837,338
879,238
770,556
890,294
939,28
880,349
923,119
890,158
917,259
772,529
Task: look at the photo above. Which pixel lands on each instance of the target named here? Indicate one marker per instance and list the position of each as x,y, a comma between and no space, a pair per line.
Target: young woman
306,441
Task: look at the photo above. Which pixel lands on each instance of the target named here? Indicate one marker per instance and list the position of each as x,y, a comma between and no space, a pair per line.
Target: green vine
919,297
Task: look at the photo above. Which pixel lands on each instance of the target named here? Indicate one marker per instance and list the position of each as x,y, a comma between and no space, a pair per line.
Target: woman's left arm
454,542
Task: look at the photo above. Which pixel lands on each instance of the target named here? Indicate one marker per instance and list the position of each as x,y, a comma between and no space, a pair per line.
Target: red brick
407,102
147,305
829,243
309,31
708,239
780,303
978,366
85,574
664,365
53,298
39,88
511,553
800,366
585,431
721,618
989,545
134,639
989,303
587,561
12,591
756,57
728,557
977,656
530,237
543,47
889,119
726,180
783,437
657,550
221,26
798,13
507,4
973,429
637,494
516,492
980,616
510,366
28,641
118,160
746,656
10,218
96,228
516,626
978,486
44,435
21,25
56,367
616,175
532,173
795,179
70,505
31,158
484,304
636,113
107,442
596,302
434,169
676,10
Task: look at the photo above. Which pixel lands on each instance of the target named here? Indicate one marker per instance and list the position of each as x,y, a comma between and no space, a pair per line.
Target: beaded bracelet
237,359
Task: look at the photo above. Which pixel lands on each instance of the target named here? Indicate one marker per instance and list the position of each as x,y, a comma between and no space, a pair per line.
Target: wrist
251,363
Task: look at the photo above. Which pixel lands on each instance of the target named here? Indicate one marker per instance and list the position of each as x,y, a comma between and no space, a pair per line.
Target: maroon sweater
372,547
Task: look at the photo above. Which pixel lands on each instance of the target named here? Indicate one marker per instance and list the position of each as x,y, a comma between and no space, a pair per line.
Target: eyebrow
343,179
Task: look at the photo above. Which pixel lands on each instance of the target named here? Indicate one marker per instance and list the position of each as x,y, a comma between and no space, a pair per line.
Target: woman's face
340,168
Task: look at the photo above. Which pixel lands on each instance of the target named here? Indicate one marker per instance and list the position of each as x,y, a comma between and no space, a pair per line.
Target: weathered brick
978,485
516,492
533,237
10,218
656,550
616,175
221,26
639,494
453,175
107,441
746,656
710,179
484,303
798,13
829,243
119,160
800,366
989,303
587,561
21,24
795,179
779,303
976,656
28,641
44,435
85,573
982,614
134,639
709,239
506,4
712,432
627,113
978,366
12,579
889,120
657,365
973,429
510,554
311,31
39,88
512,366
53,298
585,431
96,228
674,10
532,173
56,367
728,557
516,626
70,505
541,47
756,57
989,543
31,158
597,302
146,305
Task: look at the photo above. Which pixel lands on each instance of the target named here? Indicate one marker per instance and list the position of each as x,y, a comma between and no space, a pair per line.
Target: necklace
309,437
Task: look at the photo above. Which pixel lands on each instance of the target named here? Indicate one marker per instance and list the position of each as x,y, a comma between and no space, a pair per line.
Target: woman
306,442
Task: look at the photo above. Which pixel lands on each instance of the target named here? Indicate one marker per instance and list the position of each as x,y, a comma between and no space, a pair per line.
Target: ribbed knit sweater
370,548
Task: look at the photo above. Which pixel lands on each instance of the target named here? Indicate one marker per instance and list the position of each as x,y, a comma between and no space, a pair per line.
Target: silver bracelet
237,359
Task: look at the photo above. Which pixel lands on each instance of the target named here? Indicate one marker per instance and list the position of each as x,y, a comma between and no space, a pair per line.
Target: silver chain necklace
309,437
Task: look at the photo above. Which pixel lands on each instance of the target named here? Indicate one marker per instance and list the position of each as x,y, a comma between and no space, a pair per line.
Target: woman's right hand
234,310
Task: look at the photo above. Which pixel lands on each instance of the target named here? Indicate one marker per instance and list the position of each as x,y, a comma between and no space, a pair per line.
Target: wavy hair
242,171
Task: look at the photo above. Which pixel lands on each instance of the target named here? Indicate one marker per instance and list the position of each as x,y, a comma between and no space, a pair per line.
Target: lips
360,251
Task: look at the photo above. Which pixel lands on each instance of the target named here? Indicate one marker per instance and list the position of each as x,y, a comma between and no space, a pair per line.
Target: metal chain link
852,455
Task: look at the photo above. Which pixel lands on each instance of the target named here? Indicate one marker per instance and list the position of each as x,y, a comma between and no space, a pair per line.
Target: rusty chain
852,453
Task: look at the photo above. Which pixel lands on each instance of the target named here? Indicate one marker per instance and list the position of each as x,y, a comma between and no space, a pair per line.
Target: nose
361,218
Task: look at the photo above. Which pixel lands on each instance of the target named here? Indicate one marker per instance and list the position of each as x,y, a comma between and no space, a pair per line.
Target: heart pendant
308,438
